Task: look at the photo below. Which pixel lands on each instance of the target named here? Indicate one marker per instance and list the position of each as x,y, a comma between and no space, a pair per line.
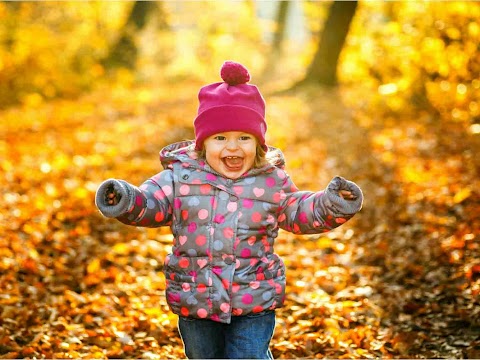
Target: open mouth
233,163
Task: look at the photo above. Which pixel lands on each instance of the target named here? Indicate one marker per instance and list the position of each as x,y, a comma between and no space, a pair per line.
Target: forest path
412,253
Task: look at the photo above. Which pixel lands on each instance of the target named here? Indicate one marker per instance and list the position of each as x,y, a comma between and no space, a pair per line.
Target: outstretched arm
306,212
147,205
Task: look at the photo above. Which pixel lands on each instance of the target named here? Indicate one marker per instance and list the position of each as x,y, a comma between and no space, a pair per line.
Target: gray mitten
341,205
123,194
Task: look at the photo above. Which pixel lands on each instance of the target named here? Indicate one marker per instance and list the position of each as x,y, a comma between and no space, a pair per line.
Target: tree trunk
275,52
323,69
124,52
281,22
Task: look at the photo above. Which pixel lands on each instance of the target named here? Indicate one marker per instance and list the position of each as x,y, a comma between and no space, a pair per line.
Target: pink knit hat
232,105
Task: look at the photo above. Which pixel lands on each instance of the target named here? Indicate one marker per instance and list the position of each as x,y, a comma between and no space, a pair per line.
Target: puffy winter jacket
223,262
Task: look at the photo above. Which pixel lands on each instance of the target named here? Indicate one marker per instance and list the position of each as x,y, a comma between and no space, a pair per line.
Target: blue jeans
246,337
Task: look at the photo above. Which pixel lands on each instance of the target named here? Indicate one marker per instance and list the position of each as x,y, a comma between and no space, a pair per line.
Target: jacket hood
184,151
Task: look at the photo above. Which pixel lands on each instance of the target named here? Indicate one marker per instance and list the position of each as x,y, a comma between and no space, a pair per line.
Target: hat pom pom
234,73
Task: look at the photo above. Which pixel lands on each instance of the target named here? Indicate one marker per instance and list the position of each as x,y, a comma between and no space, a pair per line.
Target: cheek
251,158
213,159
211,154
209,158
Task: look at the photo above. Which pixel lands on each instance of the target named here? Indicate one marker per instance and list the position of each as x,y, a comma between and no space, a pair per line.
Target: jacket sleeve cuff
124,204
339,204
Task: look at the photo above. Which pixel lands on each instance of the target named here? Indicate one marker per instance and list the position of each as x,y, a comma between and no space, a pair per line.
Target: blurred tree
12,24
323,69
419,98
281,21
278,36
12,5
124,52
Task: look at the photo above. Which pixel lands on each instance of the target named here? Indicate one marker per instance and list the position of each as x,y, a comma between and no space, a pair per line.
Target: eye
245,137
220,137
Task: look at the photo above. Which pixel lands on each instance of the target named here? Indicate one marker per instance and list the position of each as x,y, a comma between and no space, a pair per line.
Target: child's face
231,153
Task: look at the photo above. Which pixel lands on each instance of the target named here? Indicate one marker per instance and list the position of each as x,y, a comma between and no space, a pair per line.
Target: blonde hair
260,157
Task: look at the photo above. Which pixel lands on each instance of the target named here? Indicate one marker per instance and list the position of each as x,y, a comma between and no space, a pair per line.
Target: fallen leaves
400,280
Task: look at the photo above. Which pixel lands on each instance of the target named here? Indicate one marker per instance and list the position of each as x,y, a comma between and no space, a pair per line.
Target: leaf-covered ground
401,280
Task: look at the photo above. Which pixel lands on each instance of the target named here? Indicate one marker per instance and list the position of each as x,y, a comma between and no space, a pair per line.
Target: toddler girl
225,196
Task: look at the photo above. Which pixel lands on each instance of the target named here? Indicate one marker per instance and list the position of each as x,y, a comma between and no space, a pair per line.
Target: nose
232,144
